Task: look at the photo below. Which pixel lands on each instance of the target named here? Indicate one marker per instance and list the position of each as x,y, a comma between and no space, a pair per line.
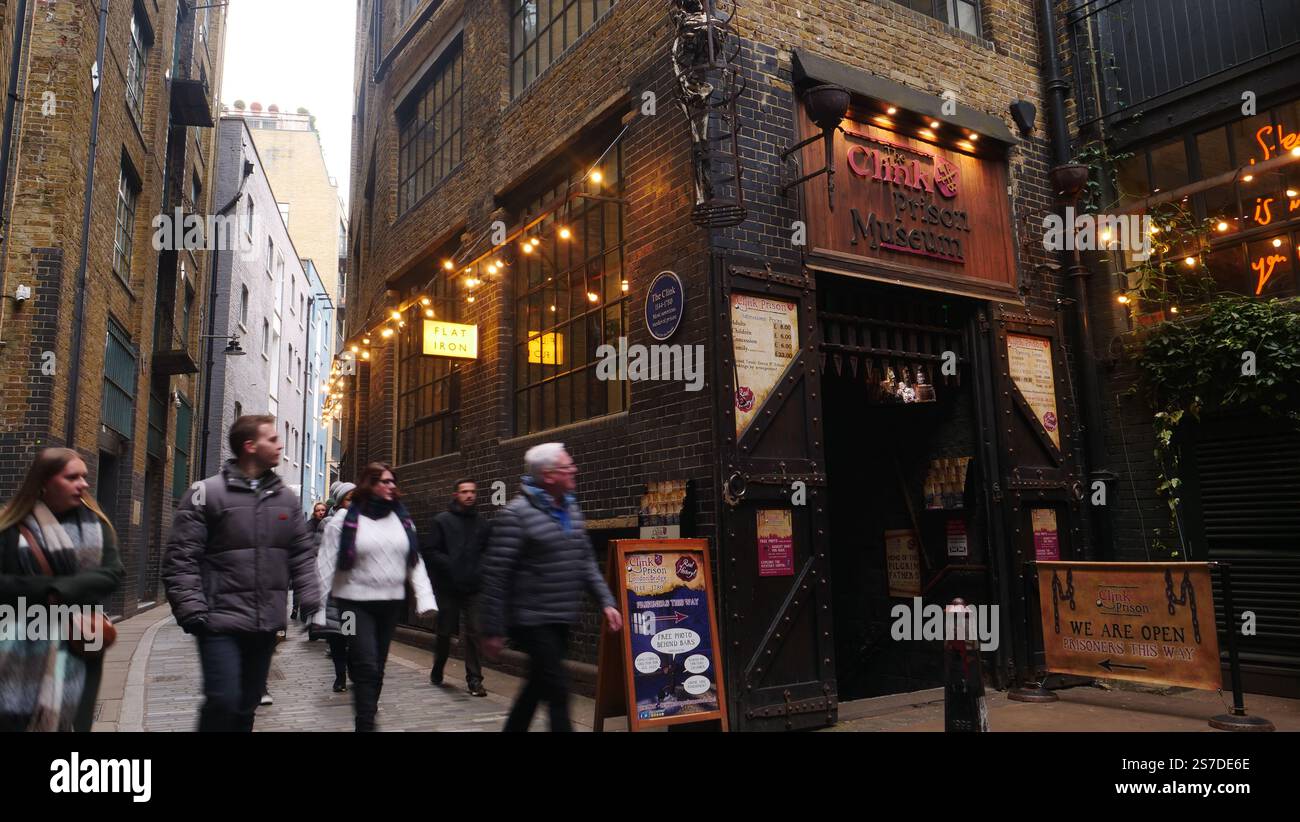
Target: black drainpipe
1100,546
79,312
6,141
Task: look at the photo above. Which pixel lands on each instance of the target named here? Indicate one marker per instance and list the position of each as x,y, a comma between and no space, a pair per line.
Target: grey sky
296,53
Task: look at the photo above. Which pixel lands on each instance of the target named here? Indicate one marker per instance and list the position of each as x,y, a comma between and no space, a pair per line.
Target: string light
425,301
449,265
1248,177
1173,309
397,315
1222,226
1123,299
1291,192
428,312
596,176
891,110
593,296
973,136
1277,243
386,333
565,233
625,285
364,341
934,124
355,349
1191,261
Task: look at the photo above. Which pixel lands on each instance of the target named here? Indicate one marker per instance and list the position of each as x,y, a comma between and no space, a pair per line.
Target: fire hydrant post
964,708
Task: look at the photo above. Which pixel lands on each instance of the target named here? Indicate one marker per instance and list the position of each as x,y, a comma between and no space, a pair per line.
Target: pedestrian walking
453,551
238,543
56,548
367,557
538,564
332,626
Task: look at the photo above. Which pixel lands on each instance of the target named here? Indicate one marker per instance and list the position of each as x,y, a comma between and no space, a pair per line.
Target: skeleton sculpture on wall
708,84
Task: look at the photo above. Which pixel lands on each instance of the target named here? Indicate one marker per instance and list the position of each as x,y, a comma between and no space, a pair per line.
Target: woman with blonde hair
56,548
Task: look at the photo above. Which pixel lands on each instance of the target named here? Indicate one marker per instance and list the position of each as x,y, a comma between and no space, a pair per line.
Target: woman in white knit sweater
368,554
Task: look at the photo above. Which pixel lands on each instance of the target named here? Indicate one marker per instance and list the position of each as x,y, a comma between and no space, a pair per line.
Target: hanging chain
1058,597
1186,596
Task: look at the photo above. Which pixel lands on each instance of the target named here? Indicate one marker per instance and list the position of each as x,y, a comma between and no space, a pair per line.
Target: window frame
431,128
128,203
521,81
139,44
426,428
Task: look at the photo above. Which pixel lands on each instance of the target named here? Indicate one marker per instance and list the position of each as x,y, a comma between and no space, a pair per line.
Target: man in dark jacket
452,551
539,563
237,544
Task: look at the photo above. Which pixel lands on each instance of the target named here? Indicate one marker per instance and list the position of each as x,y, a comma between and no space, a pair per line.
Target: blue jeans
235,667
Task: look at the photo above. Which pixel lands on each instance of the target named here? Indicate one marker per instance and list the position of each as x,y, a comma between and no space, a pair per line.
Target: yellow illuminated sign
450,340
548,349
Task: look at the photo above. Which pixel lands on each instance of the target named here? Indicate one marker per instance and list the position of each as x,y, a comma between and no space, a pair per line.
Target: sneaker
266,699
477,689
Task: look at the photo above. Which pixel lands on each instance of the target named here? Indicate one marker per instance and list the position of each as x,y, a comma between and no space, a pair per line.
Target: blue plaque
665,305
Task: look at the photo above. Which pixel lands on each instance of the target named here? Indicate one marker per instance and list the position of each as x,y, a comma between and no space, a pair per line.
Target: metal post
964,707
1237,720
1028,689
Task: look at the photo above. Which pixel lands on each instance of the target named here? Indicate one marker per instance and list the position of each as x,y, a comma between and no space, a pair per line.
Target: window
136,60
128,196
248,219
284,213
196,192
293,289
298,370
243,306
266,337
185,318
290,362
270,257
302,306
540,32
569,300
428,396
181,450
960,14
239,410
117,408
429,123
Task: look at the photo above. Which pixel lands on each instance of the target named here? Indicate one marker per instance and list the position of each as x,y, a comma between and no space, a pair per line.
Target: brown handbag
96,625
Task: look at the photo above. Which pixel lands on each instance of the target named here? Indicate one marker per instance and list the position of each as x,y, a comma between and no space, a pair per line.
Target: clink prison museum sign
913,212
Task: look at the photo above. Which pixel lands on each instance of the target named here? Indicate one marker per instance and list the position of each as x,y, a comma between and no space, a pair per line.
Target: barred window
569,300
128,196
182,448
136,60
117,407
429,125
428,399
542,30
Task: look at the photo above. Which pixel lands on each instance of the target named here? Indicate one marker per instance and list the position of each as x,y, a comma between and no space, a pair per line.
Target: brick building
103,357
478,132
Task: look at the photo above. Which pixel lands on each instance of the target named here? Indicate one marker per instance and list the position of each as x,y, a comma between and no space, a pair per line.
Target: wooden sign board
665,666
921,211
1140,621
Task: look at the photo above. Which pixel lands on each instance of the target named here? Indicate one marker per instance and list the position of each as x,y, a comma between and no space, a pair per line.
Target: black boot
340,685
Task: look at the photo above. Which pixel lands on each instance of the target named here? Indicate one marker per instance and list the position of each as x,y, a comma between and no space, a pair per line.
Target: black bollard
964,708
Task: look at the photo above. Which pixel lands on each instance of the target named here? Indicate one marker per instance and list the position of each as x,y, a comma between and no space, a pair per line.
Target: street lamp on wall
826,106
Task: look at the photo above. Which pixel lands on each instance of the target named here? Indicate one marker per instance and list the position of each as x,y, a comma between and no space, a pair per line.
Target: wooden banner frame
615,677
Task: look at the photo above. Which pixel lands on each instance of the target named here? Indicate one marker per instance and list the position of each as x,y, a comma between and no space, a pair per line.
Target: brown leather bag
96,625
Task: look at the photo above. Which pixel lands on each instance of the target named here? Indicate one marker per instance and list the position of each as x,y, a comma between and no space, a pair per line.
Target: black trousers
235,666
547,680
455,612
338,653
375,623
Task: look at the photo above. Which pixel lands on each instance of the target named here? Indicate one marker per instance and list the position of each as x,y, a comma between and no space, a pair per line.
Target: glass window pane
1272,267
1212,148
1169,165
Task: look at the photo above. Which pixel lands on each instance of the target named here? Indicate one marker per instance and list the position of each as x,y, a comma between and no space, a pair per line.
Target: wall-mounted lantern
826,106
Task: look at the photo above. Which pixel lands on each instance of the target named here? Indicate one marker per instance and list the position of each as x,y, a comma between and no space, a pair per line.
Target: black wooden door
776,619
1038,488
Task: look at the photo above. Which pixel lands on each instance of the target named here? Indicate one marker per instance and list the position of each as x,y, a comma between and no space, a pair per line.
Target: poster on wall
765,334
1139,621
903,563
670,665
1047,540
775,543
1029,362
958,546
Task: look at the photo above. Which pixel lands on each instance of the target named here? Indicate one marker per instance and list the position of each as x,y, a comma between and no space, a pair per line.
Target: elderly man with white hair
538,564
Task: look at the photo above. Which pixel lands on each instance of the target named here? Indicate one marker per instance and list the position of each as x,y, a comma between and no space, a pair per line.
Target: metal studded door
1039,488
775,598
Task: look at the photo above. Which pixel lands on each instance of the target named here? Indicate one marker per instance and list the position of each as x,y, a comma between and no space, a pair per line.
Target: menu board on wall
775,542
1047,539
765,334
1029,362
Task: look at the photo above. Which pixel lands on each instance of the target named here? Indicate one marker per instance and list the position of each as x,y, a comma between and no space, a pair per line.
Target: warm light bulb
625,285
593,296
1190,261
926,133
1295,152
1173,309
1222,226
973,136
1105,236
1277,243
552,308
1123,299
527,249
365,341
934,124
534,242
365,355
891,110
401,325
355,349
1248,177
470,298
492,268
1155,229
428,312
596,176
397,315
449,265
386,333
565,233
1291,192
425,301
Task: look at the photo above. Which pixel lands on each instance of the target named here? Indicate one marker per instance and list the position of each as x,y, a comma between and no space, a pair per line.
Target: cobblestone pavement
300,683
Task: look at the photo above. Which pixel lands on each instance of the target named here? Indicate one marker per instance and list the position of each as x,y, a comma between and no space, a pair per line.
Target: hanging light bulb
1123,299
934,124
355,349
596,176
527,248
1248,177
470,298
625,285
1222,226
396,315
1173,309
593,296
565,233
425,301
492,268
386,333
1277,243
365,355
428,312
1191,261
449,265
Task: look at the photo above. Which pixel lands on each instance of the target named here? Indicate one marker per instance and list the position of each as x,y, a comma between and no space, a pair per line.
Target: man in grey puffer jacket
238,542
538,564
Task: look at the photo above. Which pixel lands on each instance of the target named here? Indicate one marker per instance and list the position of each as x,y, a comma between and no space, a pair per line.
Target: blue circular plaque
665,304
